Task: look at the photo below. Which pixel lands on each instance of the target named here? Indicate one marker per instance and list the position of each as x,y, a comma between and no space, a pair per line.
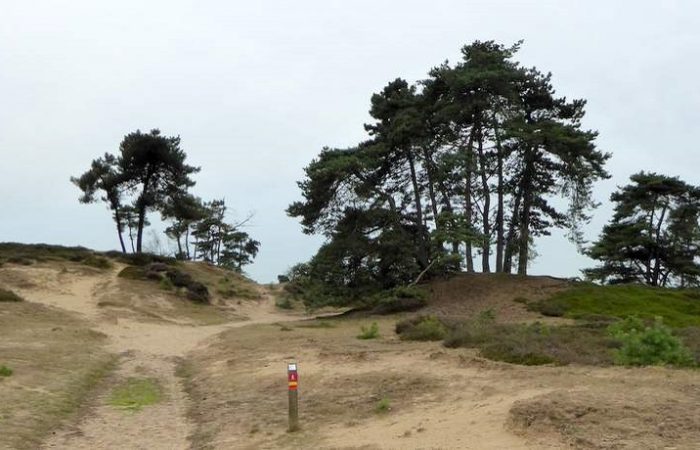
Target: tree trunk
528,194
430,171
500,226
120,228
142,210
422,250
485,219
468,200
510,239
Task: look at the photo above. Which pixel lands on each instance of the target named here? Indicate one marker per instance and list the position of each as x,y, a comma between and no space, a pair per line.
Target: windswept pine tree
149,174
654,235
476,160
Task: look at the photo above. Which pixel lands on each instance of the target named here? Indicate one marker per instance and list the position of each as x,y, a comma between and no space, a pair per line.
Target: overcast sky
256,89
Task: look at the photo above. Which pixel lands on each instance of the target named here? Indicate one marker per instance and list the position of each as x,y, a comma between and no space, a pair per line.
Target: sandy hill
111,352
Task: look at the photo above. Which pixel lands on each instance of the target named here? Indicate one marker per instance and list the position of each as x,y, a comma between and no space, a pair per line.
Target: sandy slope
146,349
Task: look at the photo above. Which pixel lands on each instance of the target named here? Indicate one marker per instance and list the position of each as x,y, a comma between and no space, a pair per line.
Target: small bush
421,328
649,345
20,260
383,406
549,308
400,299
197,292
133,273
5,371
9,296
178,277
166,284
533,344
98,262
371,332
284,303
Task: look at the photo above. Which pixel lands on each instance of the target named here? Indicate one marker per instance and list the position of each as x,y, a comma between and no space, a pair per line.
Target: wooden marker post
293,380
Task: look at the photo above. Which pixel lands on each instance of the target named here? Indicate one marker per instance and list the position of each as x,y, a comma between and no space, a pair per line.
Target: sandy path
146,350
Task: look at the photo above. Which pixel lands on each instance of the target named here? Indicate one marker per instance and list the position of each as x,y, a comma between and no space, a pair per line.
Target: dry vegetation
56,360
383,392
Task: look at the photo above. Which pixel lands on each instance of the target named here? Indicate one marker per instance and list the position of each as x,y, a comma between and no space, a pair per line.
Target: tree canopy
150,174
468,162
654,235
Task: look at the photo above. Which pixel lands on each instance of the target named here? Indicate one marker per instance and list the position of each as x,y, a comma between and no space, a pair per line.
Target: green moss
421,328
677,307
136,393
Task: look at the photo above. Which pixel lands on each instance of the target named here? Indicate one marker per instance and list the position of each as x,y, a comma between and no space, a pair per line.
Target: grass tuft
5,371
383,406
421,328
371,332
136,393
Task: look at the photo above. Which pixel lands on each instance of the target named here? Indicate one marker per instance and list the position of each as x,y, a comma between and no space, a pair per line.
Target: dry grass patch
239,383
629,417
56,362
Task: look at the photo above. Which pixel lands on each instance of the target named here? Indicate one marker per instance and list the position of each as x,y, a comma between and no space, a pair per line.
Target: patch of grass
317,324
678,308
401,299
5,371
534,344
20,260
649,345
98,262
9,296
231,286
691,339
421,328
284,302
136,393
133,273
166,284
383,406
370,332
57,359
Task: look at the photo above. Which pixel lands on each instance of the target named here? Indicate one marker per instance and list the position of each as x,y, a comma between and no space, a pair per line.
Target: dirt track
145,349
440,398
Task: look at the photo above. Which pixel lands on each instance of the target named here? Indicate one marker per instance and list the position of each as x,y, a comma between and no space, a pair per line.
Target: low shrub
533,344
549,308
649,345
97,262
421,328
20,260
283,303
133,273
383,406
691,339
400,299
5,371
9,296
178,277
166,284
371,332
197,292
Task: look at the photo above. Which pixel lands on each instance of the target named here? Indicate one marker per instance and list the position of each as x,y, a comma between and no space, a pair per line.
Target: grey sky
257,88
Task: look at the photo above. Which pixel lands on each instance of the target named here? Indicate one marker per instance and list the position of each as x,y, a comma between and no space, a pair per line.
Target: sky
256,89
